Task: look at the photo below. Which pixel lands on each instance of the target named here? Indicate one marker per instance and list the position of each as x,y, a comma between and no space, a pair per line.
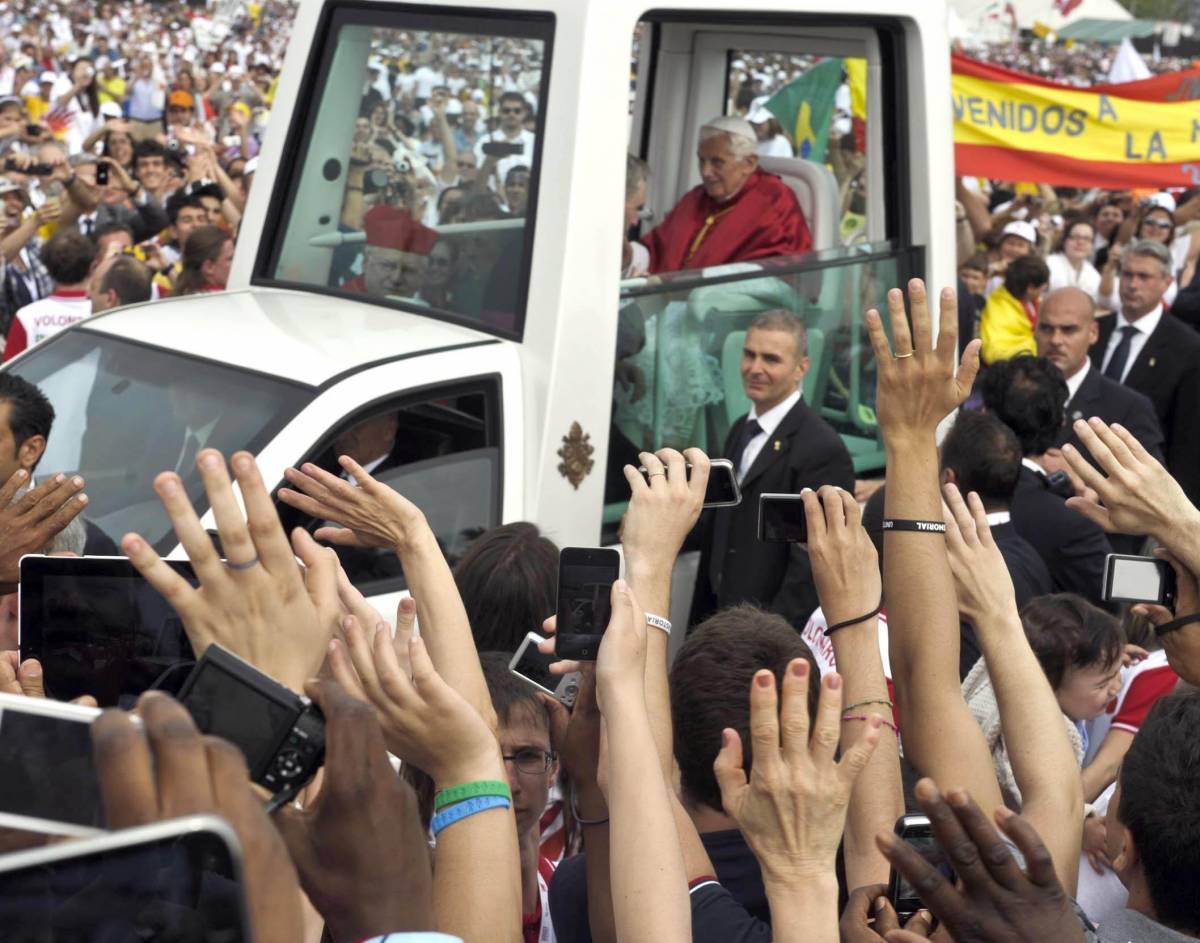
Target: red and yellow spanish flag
1012,126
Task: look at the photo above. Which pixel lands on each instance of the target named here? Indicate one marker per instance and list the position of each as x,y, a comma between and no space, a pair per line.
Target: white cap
759,114
1018,227
453,107
217,68
47,77
732,125
110,110
1164,201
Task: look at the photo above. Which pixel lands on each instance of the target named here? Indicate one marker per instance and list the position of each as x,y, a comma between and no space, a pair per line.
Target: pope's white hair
742,140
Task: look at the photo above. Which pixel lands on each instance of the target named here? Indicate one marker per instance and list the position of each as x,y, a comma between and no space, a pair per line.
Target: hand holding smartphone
533,667
917,832
1139,579
782,519
585,579
722,490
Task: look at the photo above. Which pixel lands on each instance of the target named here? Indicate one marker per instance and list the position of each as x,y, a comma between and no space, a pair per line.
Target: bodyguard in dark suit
781,447
1027,394
1149,350
1066,329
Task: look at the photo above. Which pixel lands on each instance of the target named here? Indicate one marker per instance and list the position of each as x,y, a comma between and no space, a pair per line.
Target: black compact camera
375,180
281,732
102,175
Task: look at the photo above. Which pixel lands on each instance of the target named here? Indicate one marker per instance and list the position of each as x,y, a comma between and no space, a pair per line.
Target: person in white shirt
67,256
1070,262
772,142
509,146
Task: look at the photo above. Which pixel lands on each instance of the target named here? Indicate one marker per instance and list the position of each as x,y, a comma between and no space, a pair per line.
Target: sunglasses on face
1157,224
512,111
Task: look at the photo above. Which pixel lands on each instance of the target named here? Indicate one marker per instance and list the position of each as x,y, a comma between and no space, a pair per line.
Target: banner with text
1012,126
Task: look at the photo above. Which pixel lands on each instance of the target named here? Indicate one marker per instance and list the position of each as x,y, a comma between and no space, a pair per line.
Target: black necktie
1116,364
749,431
89,226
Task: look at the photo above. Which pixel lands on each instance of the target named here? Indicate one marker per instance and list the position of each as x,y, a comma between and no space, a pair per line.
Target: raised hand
792,810
844,562
1182,645
261,604
918,386
981,580
662,512
28,524
167,769
370,513
1137,495
359,847
621,661
998,902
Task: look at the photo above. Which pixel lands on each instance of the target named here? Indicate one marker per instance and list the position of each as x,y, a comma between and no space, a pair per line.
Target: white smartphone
533,667
179,879
47,780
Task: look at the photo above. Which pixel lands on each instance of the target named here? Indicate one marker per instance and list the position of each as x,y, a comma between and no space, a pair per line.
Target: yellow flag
856,72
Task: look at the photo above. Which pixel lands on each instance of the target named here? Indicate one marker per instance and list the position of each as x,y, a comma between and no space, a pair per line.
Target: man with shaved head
1066,329
738,213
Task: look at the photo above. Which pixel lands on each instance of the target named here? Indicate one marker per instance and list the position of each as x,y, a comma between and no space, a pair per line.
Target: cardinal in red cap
395,257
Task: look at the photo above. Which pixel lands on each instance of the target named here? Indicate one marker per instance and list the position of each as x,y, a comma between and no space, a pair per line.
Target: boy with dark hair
1029,395
68,257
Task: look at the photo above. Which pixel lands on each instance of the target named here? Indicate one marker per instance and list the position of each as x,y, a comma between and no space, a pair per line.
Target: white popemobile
498,387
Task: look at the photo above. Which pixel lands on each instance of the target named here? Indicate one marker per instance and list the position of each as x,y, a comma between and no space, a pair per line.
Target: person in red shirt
738,213
397,251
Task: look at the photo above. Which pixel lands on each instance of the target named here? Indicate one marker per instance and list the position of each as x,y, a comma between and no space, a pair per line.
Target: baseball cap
1163,201
108,110
759,115
47,77
180,99
1018,227
8,185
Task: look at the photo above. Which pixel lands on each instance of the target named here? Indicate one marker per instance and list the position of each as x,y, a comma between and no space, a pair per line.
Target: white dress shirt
1076,381
1145,327
769,421
995,518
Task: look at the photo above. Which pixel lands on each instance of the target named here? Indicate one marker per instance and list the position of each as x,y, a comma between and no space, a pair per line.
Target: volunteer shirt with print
35,322
1141,685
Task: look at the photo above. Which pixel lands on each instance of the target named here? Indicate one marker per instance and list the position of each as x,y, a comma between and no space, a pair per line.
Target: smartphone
585,578
47,782
174,880
1138,579
781,519
531,666
102,175
722,490
917,832
33,130
99,628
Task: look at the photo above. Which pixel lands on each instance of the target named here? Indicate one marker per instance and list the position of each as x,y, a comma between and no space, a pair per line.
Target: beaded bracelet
482,787
867,717
466,809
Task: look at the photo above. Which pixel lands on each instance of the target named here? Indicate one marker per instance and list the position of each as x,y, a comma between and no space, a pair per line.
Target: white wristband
658,622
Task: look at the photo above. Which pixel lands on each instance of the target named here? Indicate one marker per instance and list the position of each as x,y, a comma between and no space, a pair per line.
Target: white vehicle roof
300,336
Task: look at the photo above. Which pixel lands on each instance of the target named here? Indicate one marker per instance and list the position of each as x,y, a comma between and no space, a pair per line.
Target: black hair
710,688
1029,395
68,256
511,96
978,262
1069,223
508,579
518,169
148,148
180,200
30,412
130,278
1160,805
984,455
1024,273
1066,631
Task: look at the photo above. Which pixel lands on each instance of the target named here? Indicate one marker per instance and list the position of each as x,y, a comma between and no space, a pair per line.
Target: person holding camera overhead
509,145
781,446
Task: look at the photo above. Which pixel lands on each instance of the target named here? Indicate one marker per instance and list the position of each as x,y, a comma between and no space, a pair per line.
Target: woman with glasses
1070,262
1156,223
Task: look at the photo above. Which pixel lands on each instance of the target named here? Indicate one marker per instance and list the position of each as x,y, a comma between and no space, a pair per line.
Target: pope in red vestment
738,213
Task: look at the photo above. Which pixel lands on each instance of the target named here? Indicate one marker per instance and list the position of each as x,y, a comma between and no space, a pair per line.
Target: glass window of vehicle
125,412
414,179
440,451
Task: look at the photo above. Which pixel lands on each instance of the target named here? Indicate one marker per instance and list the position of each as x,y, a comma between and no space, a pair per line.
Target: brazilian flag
805,108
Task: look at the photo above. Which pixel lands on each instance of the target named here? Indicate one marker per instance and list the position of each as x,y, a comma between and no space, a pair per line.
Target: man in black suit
781,447
981,454
1066,328
1028,395
1155,353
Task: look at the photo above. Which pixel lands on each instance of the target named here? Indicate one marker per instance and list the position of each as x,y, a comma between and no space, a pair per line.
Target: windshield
416,172
125,412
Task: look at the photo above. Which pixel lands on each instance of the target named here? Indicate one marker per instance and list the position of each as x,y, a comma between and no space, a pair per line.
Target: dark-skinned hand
166,769
994,901
359,847
29,524
869,916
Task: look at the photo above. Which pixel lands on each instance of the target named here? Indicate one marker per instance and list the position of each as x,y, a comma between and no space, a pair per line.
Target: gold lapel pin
1153,361
778,445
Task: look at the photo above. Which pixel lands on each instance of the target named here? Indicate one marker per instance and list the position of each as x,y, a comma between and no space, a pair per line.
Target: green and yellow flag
805,107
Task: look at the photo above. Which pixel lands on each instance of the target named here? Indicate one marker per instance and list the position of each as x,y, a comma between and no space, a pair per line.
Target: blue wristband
466,809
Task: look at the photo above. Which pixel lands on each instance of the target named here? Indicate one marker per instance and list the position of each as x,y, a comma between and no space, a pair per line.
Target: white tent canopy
989,19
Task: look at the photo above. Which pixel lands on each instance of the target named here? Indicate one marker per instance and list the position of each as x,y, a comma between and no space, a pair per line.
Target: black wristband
1161,630
849,622
922,527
